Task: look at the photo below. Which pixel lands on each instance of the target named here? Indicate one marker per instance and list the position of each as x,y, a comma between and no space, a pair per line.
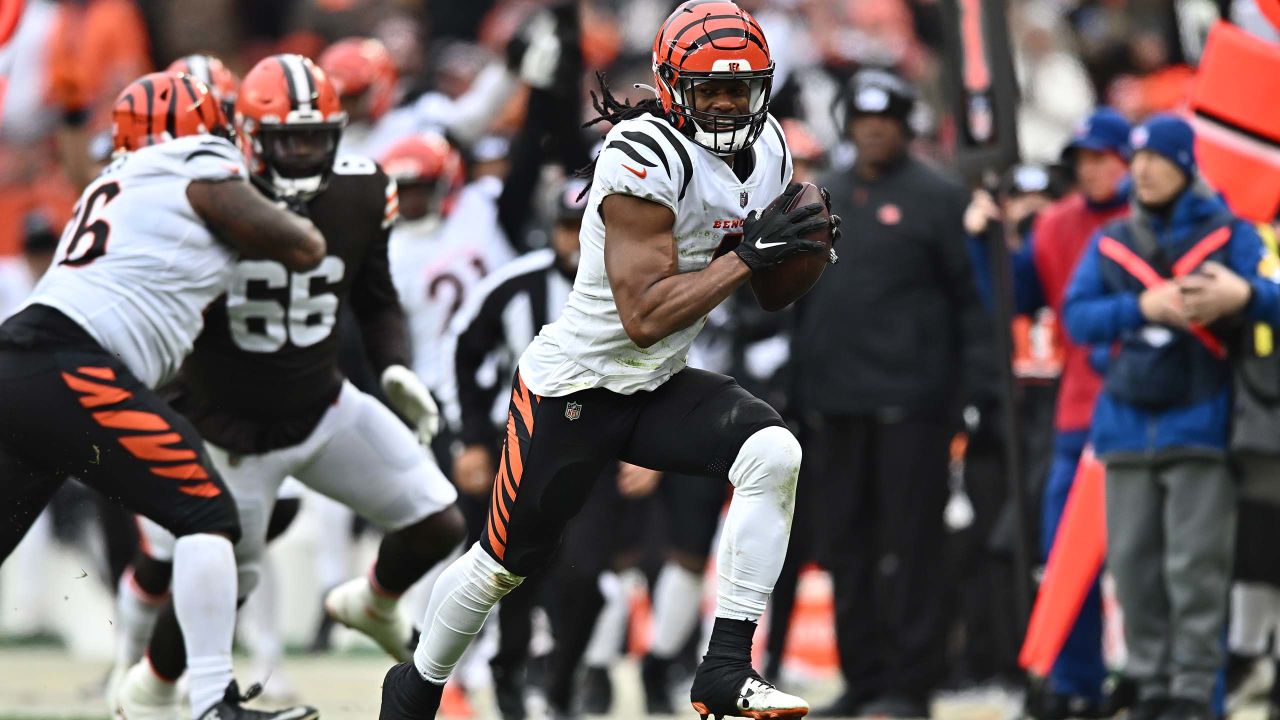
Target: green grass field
45,684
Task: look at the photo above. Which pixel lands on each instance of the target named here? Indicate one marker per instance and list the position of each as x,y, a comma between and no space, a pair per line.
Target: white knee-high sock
333,545
260,622
677,598
753,543
136,612
611,625
30,559
460,602
204,598
1254,615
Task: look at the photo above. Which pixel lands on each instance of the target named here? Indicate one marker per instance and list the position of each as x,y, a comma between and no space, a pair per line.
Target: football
778,286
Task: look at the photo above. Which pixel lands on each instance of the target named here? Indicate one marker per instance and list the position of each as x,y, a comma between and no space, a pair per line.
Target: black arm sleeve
975,331
480,337
528,152
552,124
377,309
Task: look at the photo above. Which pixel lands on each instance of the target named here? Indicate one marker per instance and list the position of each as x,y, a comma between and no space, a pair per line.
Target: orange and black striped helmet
291,120
162,106
212,72
362,69
713,40
427,160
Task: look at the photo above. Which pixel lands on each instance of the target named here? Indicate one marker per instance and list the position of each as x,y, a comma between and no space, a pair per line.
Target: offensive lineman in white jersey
152,242
666,238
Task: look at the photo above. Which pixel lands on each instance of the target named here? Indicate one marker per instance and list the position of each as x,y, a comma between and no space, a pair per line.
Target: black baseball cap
880,92
571,201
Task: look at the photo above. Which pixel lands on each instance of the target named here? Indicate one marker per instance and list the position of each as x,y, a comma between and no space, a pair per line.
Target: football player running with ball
666,238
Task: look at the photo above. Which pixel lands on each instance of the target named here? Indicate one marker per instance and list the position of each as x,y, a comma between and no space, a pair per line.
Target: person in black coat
891,345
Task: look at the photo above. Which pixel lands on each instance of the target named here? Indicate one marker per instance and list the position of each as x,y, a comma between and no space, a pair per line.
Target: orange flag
1237,131
1078,551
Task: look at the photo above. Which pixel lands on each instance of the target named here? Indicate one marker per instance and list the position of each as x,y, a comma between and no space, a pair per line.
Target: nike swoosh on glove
411,399
771,235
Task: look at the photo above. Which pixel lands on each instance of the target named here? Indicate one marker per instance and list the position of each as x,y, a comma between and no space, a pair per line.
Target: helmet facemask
722,134
423,203
297,159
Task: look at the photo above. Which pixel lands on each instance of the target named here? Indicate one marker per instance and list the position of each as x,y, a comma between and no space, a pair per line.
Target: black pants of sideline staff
880,489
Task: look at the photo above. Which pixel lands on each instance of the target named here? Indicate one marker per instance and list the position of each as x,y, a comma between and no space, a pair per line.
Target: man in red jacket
1099,154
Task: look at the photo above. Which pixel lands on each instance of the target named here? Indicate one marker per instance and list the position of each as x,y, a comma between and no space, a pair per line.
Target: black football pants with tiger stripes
69,407
557,447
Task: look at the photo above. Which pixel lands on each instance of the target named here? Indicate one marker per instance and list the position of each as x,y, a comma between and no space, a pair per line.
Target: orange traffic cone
454,702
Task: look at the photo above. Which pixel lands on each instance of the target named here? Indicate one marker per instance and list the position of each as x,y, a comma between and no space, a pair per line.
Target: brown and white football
778,286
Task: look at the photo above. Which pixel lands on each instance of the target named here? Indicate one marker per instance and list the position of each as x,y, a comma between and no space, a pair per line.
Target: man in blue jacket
1161,288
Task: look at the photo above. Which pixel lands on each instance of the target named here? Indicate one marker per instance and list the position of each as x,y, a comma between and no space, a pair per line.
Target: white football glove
538,66
411,399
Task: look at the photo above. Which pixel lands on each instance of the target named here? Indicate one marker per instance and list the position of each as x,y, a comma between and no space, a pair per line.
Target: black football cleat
230,709
597,691
508,690
723,690
655,675
406,695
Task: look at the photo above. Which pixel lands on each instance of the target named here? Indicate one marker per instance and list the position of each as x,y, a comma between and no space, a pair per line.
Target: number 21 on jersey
265,325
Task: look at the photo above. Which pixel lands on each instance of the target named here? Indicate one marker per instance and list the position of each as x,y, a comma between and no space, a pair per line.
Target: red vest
1062,232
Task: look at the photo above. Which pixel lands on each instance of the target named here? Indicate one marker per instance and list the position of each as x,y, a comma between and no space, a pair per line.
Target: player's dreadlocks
613,111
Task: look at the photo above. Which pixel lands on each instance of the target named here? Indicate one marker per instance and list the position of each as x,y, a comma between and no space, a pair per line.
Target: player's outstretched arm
241,217
640,259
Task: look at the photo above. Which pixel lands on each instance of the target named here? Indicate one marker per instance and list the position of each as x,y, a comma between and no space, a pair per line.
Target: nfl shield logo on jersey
573,410
742,198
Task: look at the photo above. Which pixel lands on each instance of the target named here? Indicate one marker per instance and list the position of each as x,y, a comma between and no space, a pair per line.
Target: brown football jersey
265,368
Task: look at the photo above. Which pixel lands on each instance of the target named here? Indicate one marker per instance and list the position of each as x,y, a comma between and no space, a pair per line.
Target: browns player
263,382
153,242
667,237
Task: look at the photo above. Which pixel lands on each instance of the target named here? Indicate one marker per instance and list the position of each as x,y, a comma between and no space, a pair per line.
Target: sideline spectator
1255,448
1156,284
884,342
1098,154
977,515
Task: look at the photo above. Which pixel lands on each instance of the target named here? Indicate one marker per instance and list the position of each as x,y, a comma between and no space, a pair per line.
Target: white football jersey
645,157
136,266
435,268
